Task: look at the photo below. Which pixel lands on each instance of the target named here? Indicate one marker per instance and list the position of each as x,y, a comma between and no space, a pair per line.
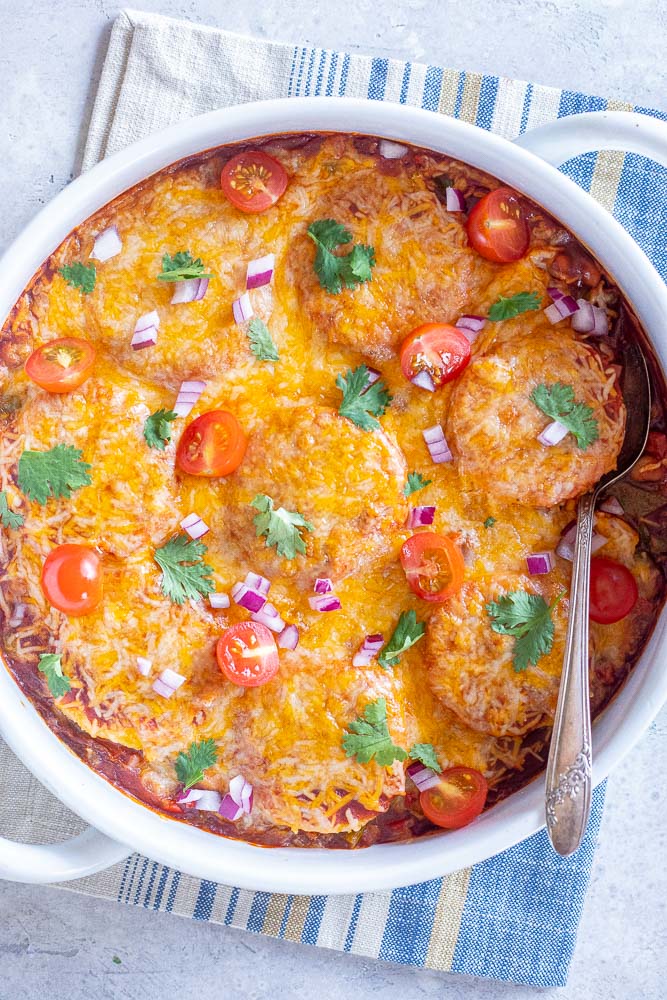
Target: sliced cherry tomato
613,591
440,350
212,445
497,227
253,181
457,799
72,579
61,365
247,654
433,565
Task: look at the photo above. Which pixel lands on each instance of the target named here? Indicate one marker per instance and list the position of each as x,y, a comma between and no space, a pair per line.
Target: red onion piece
218,600
590,319
369,649
229,809
256,582
437,445
420,516
209,801
423,777
171,678
107,244
471,326
260,271
145,331
552,434
323,585
324,602
289,637
144,666
540,562
18,614
372,378
242,309
269,616
241,792
163,689
455,200
565,547
389,150
190,797
190,290
188,395
562,307
193,385
424,381
194,526
612,505
246,597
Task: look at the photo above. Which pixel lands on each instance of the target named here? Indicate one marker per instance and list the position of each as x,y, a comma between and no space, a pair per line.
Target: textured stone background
58,945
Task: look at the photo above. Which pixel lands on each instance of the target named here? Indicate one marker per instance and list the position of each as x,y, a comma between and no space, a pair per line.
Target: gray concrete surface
63,946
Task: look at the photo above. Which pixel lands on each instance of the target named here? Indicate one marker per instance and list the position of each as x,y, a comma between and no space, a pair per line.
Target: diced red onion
107,244
145,331
423,777
246,597
242,309
540,562
194,526
437,445
190,290
241,792
420,516
209,801
260,271
565,547
188,395
471,326
324,602
455,200
371,379
229,809
289,637
257,582
369,648
590,319
562,307
219,600
144,666
389,150
18,614
612,505
552,434
269,616
191,796
424,381
168,682
323,585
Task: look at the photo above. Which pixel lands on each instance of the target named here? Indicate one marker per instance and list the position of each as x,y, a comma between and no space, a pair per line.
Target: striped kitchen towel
515,916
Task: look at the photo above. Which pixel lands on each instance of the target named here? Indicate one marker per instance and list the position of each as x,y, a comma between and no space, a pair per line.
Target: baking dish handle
591,131
86,854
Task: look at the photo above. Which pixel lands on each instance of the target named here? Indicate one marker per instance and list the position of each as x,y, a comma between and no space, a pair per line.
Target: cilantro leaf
557,401
508,308
347,270
181,267
408,631
281,527
489,523
360,399
261,344
80,276
425,754
190,766
415,482
157,428
527,617
368,737
185,576
53,473
50,664
8,518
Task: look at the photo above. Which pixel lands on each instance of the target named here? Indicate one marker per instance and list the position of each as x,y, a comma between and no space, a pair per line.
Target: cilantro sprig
182,267
281,527
80,276
415,482
8,517
489,523
339,271
558,402
191,764
50,664
185,575
157,428
514,305
408,631
367,738
425,754
54,473
527,617
360,399
261,342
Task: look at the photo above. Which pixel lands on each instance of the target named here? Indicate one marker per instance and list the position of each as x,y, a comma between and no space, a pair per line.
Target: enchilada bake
292,436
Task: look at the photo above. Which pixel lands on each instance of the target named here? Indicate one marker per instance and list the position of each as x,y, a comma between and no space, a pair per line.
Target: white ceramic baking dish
116,820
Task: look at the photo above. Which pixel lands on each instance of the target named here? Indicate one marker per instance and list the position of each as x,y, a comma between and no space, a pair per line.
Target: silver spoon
569,770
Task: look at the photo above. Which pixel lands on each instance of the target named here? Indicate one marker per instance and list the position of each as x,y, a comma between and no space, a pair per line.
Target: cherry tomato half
497,227
457,799
436,348
61,365
253,181
72,579
433,565
247,654
212,445
613,591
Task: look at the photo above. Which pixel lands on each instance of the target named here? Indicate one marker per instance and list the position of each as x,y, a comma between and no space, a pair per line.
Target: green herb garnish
185,575
80,276
408,631
527,617
190,765
368,737
344,271
50,664
53,473
508,308
261,343
415,482
281,527
489,523
181,267
557,401
157,428
425,754
8,517
361,400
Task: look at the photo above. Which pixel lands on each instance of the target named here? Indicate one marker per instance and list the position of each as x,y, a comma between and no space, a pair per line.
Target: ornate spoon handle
569,771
